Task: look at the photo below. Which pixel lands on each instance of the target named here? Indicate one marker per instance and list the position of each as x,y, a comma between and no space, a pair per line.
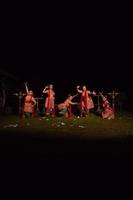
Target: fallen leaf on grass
81,126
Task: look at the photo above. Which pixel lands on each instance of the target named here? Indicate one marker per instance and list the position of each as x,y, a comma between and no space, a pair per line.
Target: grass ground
45,137
90,127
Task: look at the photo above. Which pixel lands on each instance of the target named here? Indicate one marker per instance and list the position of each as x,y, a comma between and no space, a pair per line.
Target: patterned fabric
90,103
84,103
108,112
49,102
28,104
65,108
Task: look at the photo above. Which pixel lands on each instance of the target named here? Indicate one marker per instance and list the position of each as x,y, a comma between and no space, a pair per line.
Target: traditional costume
50,99
108,112
90,103
29,104
66,107
86,101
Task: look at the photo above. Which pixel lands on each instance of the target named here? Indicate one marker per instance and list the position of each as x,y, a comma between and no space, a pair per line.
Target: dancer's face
31,92
84,88
51,87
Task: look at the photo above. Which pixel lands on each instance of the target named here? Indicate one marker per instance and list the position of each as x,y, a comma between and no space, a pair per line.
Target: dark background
68,48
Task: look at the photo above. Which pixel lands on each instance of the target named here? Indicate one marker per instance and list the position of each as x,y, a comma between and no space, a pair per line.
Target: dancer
29,103
86,101
66,107
50,99
108,112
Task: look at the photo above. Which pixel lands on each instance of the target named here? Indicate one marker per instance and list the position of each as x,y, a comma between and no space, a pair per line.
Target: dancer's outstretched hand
94,93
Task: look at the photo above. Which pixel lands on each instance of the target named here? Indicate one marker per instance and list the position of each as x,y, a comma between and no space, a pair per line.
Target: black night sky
67,50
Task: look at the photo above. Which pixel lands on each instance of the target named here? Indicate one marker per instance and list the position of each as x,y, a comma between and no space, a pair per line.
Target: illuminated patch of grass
91,126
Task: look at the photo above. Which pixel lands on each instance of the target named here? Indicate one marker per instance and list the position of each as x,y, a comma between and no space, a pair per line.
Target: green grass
89,127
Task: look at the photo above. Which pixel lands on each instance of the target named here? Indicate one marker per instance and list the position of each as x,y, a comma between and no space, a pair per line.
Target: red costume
108,112
86,101
49,102
29,105
66,108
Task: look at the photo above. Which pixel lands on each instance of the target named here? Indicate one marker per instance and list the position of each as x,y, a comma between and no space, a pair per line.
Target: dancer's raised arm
80,91
45,90
26,87
101,95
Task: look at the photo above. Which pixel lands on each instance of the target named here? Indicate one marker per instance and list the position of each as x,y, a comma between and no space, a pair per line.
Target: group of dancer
65,108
